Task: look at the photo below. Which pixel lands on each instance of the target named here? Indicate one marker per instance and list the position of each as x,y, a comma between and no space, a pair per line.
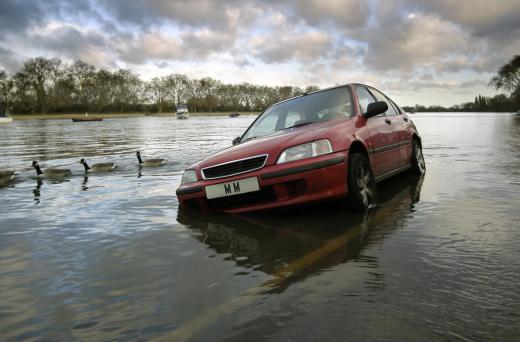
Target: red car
330,144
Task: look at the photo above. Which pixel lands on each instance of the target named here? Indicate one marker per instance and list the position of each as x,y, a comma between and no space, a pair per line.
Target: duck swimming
149,162
101,167
6,177
50,173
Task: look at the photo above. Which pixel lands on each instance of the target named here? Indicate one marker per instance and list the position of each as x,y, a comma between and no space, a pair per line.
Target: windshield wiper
250,138
300,124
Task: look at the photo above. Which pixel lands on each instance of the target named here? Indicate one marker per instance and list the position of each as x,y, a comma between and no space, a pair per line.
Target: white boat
5,118
182,112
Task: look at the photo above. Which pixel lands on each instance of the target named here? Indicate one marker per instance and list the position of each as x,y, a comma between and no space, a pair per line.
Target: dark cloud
67,39
343,14
450,36
205,13
302,47
411,42
197,45
390,39
204,42
17,15
473,84
223,15
426,77
480,17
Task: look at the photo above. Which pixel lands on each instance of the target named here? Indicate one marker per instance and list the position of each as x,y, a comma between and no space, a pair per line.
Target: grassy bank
70,116
114,115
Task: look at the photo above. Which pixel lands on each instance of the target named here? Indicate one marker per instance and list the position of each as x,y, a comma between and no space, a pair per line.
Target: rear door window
380,97
364,98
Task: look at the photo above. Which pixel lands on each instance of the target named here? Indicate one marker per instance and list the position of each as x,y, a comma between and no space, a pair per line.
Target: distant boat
182,111
86,118
234,115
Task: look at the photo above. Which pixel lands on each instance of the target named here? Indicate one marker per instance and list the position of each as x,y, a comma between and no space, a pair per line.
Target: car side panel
402,140
382,146
404,135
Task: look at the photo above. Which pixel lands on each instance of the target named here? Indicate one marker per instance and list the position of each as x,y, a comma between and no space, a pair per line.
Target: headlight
312,149
189,176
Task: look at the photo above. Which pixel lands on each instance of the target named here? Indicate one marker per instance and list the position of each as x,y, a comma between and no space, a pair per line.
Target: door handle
388,121
405,118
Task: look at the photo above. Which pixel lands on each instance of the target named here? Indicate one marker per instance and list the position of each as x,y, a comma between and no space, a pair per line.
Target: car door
403,128
393,146
381,135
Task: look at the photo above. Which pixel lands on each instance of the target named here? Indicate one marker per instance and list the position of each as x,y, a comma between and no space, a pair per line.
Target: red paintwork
316,185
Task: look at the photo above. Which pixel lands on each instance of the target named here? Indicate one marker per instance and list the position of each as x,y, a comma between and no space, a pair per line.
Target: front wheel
362,190
418,164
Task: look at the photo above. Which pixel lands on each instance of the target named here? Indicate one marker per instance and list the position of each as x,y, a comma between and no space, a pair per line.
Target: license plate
238,187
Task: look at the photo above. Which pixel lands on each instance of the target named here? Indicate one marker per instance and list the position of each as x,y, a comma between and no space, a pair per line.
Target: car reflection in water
296,244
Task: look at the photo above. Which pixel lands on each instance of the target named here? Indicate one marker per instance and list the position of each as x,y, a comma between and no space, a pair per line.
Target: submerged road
111,256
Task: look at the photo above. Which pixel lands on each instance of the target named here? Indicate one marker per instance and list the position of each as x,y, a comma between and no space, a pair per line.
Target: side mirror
236,140
375,108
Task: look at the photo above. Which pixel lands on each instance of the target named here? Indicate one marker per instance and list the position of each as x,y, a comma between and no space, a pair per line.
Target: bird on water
50,173
101,167
6,177
149,162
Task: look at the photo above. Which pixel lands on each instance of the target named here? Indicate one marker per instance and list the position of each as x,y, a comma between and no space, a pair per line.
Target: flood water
111,256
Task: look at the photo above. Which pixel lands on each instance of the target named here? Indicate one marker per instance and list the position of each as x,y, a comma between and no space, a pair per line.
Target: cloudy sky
424,51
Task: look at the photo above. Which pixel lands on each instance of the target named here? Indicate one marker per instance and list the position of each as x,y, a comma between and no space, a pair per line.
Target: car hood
271,145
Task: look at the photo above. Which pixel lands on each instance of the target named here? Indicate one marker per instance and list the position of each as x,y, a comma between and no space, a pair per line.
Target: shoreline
22,117
67,116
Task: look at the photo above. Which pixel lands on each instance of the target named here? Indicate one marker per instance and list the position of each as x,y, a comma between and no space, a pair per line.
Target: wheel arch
358,147
417,138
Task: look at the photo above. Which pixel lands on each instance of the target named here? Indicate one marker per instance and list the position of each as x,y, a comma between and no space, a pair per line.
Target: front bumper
281,185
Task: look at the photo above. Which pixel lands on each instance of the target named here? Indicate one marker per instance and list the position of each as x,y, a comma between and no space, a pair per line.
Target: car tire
362,189
418,164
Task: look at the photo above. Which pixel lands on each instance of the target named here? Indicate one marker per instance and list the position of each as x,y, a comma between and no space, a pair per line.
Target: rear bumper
300,182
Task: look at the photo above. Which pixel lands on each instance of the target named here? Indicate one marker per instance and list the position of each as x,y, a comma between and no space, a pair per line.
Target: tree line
49,85
506,79
497,103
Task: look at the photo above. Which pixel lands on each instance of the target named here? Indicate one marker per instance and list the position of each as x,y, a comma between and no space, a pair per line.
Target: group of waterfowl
7,176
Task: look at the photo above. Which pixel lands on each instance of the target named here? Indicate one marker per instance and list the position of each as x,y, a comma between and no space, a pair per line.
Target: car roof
317,91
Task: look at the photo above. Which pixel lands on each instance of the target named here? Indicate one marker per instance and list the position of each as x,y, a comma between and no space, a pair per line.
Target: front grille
234,167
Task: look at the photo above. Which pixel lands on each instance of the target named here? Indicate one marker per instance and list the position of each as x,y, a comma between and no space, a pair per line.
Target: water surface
111,256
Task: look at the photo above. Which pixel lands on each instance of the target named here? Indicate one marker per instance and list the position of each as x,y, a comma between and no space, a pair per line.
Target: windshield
316,107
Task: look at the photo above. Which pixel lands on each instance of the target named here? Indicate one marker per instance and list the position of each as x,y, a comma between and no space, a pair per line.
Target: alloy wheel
365,186
420,159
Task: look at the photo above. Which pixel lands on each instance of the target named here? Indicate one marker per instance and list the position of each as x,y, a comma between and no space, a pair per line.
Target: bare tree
128,88
41,73
178,88
7,90
104,90
157,90
84,81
